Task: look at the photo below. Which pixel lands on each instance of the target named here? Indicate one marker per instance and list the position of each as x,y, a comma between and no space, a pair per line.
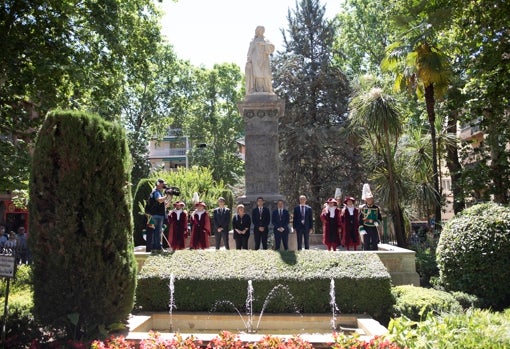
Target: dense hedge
417,302
473,254
142,192
80,224
205,278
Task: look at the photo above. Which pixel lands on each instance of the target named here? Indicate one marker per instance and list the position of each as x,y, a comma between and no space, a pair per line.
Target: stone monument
260,109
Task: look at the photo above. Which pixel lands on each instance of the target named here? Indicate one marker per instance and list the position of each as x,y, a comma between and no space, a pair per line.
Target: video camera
172,190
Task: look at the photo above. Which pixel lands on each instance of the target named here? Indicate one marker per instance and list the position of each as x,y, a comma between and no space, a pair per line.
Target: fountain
314,328
332,302
249,307
248,322
171,303
270,296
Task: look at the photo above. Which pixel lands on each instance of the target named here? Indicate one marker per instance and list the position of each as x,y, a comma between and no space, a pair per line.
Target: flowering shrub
228,340
156,342
354,342
272,342
113,343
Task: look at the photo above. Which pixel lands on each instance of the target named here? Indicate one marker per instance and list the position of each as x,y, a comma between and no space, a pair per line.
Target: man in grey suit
221,222
303,223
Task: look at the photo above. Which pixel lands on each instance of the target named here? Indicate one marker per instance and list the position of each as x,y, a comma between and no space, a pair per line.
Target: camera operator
159,199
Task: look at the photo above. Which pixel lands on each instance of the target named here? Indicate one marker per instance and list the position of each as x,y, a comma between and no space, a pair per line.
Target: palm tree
421,67
377,116
416,154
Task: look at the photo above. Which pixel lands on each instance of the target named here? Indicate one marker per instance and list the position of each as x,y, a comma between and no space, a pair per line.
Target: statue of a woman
258,68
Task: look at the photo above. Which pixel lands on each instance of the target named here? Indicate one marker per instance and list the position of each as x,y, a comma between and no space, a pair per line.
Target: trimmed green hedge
142,192
203,279
416,302
84,268
473,254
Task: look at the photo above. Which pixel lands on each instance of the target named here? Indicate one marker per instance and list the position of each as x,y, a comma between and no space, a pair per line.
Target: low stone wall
400,263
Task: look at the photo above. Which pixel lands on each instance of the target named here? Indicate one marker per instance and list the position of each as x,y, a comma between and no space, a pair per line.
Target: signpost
7,270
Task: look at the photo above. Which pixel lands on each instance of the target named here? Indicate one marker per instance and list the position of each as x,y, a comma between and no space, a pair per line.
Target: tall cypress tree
81,224
317,159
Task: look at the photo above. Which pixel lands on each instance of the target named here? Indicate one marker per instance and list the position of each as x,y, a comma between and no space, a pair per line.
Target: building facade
170,152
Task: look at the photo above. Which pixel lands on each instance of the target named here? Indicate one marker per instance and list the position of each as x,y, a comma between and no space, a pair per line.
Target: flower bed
230,340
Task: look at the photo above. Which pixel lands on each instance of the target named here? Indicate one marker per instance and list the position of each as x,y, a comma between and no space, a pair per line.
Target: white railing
155,153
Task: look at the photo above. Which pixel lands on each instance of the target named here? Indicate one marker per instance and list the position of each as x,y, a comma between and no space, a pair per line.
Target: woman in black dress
241,224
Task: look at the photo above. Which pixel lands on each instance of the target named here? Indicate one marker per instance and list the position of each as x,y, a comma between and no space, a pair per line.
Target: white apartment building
170,152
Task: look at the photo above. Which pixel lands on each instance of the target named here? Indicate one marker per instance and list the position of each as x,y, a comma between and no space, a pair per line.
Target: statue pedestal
261,112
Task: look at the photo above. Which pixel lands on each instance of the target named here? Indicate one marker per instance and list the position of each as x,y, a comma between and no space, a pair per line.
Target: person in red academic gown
350,224
178,226
200,227
331,227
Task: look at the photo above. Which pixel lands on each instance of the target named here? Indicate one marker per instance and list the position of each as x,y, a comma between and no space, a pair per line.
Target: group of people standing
15,242
261,218
345,226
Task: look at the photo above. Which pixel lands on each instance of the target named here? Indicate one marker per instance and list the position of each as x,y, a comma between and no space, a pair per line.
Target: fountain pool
315,328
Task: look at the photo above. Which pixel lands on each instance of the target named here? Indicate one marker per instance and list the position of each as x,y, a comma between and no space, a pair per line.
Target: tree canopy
316,93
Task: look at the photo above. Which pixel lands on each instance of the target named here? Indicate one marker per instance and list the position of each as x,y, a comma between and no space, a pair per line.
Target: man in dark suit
280,221
260,217
303,223
221,221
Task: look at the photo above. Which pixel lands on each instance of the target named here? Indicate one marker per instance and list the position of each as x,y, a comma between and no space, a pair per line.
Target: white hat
366,192
195,198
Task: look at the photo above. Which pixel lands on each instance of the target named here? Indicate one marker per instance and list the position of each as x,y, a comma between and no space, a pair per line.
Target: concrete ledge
400,263
371,326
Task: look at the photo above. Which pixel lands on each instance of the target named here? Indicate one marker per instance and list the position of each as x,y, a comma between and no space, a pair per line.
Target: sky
206,32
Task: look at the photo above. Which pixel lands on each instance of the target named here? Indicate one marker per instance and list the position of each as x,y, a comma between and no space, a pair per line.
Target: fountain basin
314,328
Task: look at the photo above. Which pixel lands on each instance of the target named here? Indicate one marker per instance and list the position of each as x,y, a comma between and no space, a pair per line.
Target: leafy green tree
213,122
315,158
363,35
477,36
66,54
422,67
415,154
81,227
376,116
452,111
153,95
15,160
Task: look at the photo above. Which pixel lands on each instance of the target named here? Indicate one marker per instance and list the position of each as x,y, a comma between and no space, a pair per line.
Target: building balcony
164,153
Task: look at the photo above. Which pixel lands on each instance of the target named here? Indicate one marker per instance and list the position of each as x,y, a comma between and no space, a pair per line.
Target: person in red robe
331,228
350,224
178,226
200,227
